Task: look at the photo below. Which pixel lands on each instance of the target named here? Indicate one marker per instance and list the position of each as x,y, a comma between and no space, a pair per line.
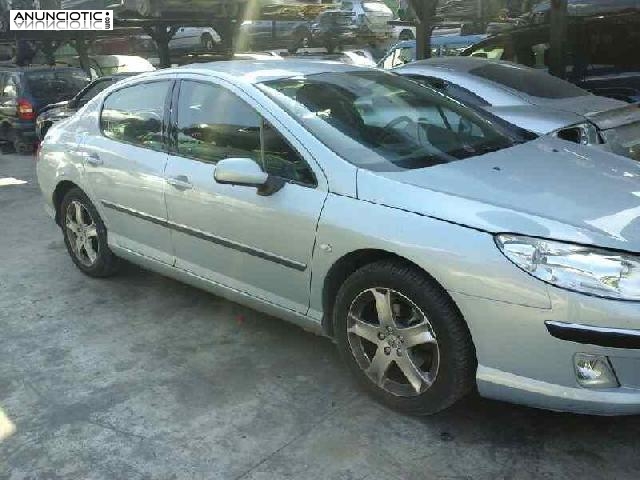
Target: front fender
461,259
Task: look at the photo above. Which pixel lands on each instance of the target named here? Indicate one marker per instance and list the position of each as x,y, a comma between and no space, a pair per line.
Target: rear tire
23,147
85,235
207,42
419,362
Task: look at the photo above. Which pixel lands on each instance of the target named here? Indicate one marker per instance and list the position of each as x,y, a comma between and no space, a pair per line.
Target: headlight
589,270
582,133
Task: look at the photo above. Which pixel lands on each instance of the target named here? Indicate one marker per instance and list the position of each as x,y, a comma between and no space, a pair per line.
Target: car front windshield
383,122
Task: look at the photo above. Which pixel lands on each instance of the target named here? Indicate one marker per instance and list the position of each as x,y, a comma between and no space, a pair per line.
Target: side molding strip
272,257
600,336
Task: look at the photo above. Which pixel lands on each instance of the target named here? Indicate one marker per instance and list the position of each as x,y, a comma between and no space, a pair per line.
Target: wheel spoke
363,330
383,307
89,250
78,246
71,225
417,335
91,231
78,213
379,365
411,373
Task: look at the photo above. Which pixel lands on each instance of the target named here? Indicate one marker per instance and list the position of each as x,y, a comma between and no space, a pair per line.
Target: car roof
463,64
255,71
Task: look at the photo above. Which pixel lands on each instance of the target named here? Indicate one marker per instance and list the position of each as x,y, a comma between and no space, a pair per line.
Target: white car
101,65
534,100
443,251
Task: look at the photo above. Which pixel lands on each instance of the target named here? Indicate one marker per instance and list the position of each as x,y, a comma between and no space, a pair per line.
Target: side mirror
247,173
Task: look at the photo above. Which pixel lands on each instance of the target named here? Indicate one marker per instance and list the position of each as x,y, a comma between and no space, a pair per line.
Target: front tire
403,338
85,235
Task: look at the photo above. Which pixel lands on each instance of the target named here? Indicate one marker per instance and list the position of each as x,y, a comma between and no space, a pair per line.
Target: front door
261,245
125,168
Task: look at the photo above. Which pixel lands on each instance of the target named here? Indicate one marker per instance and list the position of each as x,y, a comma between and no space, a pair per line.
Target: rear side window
134,114
530,81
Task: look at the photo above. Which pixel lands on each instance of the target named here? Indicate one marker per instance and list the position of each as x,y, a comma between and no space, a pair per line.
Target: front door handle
181,182
91,158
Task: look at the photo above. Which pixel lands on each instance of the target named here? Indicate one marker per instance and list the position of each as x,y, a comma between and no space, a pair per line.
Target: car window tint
282,160
214,124
134,114
528,80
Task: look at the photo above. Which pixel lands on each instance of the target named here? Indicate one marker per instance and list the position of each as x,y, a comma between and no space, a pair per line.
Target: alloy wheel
82,233
393,342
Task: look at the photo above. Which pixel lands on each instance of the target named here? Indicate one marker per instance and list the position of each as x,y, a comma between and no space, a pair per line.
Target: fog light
594,371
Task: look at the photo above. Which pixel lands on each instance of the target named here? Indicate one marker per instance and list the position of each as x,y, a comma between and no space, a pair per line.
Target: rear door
229,234
125,163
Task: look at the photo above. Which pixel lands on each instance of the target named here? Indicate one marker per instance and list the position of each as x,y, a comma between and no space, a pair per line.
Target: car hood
617,117
536,118
584,105
546,188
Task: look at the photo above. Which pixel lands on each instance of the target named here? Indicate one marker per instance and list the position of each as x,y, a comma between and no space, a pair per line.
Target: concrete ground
141,377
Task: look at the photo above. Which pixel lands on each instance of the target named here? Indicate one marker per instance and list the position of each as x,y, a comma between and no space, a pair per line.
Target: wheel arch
348,264
59,193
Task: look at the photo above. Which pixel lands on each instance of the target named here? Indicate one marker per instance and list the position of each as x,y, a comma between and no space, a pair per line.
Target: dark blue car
24,91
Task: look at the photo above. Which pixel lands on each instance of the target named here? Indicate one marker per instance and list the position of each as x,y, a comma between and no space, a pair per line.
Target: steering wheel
395,123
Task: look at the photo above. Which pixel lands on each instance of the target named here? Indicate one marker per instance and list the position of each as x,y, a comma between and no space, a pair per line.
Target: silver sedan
532,99
440,249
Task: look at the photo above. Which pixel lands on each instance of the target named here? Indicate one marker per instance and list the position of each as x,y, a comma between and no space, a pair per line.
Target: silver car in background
532,99
440,249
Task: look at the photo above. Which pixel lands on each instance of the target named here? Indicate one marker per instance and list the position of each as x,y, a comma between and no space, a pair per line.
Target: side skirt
305,322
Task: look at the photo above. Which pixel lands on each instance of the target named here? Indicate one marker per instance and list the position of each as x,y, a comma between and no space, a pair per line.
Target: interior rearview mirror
246,172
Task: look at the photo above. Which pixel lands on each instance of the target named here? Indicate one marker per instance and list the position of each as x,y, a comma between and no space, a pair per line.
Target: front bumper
520,360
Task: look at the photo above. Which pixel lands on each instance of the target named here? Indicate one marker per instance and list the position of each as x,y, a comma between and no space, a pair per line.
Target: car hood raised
545,188
584,105
536,118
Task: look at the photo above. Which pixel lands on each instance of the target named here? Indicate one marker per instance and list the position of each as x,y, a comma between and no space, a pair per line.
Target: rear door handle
181,182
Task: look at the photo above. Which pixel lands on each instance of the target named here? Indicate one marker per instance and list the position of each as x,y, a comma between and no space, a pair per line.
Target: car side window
282,160
135,114
214,124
